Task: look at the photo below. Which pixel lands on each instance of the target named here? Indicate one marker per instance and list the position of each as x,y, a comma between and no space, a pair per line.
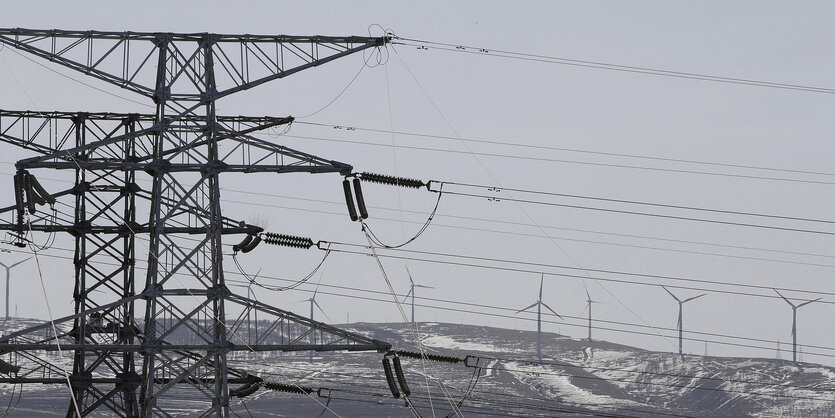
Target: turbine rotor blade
671,294
322,311
410,275
784,298
520,310
549,308
694,297
18,262
808,302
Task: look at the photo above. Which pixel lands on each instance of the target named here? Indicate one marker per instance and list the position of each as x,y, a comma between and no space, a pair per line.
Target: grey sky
520,102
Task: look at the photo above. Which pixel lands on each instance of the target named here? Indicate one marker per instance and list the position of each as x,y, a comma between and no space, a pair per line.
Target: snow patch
450,343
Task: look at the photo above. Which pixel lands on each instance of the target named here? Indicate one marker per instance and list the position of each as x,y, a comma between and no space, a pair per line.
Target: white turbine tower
679,326
312,303
412,292
794,322
250,294
539,304
589,301
8,276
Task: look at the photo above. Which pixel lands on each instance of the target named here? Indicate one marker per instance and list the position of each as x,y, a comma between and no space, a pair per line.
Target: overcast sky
520,102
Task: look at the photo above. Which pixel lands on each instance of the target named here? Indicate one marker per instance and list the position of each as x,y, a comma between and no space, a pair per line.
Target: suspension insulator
349,200
245,390
281,387
237,247
18,195
9,369
27,187
287,240
360,199
398,370
390,378
392,180
252,244
44,196
433,357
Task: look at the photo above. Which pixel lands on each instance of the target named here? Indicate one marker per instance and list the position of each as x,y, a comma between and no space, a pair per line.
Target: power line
564,161
642,203
591,270
436,224
609,66
470,311
654,215
552,148
555,322
726,246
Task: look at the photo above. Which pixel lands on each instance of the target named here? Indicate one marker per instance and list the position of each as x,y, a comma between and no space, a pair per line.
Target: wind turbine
312,303
794,322
679,326
251,296
588,306
8,275
539,304
412,292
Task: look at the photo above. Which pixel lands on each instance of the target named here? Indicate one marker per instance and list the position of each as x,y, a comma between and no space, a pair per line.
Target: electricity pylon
794,322
539,304
8,276
679,325
412,292
179,347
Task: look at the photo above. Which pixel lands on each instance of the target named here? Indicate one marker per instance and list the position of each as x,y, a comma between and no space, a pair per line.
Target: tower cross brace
138,367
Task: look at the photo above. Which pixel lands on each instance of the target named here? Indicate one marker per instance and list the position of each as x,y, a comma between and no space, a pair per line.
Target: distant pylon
8,276
679,325
539,304
412,292
794,322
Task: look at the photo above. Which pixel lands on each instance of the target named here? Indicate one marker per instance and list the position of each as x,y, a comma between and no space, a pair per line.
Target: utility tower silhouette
539,304
794,322
412,292
679,326
178,348
588,306
8,276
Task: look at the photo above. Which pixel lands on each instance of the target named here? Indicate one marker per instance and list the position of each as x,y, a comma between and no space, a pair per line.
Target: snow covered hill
501,377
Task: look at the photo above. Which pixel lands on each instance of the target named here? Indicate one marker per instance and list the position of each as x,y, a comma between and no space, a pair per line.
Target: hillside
575,378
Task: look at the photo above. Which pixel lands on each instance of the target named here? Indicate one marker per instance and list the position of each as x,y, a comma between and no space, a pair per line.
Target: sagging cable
422,229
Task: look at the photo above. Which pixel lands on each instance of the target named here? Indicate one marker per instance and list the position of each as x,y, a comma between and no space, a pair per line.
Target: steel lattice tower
138,367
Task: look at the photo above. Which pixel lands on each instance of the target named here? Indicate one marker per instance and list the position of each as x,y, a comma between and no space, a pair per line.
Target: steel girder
119,363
